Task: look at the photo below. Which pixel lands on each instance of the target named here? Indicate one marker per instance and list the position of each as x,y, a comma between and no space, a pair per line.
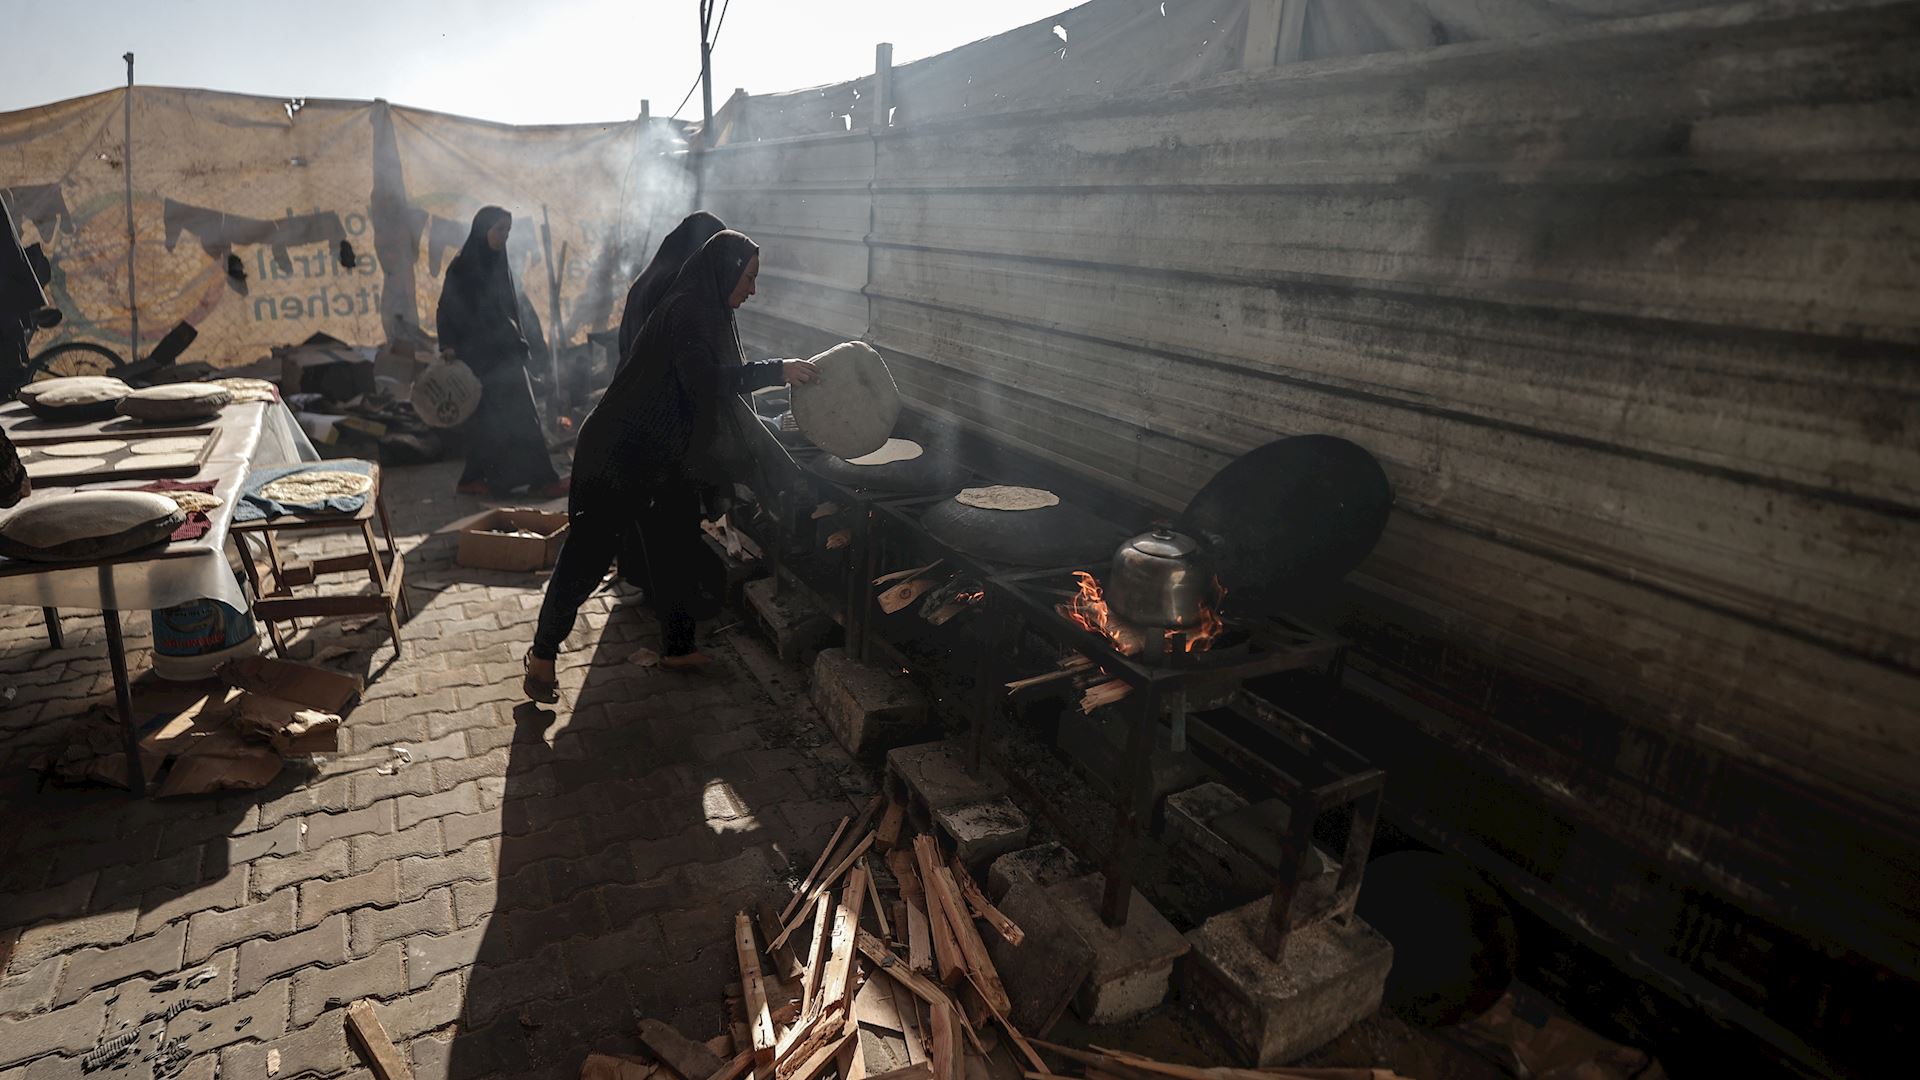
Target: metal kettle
1160,579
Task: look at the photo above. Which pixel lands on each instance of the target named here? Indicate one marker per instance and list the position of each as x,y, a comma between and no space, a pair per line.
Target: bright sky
518,61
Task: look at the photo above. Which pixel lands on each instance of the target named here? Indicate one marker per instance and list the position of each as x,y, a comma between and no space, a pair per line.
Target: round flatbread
87,525
248,389
194,501
161,461
66,466
178,444
850,410
317,485
1002,497
84,448
895,450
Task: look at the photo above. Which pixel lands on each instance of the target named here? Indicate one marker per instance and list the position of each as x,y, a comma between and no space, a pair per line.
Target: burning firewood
1105,693
902,575
1072,667
900,596
839,538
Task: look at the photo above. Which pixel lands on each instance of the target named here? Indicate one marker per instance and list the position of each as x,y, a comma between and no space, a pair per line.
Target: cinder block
972,812
868,708
1043,865
1132,964
983,831
795,626
1329,977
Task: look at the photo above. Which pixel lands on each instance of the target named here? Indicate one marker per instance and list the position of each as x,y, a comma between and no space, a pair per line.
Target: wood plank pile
859,980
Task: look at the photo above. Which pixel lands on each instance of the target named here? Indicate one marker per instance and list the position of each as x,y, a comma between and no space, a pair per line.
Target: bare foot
692,661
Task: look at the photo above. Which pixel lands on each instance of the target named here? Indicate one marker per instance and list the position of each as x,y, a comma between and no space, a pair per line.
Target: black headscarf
654,282
674,410
479,314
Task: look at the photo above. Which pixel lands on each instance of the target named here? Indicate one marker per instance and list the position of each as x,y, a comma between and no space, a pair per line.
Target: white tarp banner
242,205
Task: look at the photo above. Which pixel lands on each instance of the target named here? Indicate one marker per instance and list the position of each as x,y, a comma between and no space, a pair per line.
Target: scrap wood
615,1067
902,575
925,989
879,909
888,834
806,883
682,1055
1068,669
825,510
900,861
839,538
1019,1040
734,1068
759,1017
821,886
900,596
383,1059
839,985
817,951
802,1033
919,1070
784,962
982,907
947,957
1105,693
817,1064
919,939
946,1050
1123,1064
938,879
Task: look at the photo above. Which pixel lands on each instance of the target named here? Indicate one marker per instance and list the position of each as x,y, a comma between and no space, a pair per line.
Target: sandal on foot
541,691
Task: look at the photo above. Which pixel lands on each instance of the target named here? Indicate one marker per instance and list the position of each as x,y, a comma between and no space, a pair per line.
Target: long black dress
680,245
479,321
669,428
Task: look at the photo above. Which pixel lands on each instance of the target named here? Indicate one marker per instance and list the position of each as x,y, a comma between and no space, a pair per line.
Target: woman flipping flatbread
680,245
479,324
668,430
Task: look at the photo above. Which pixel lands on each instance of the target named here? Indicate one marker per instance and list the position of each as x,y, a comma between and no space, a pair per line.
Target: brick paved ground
514,897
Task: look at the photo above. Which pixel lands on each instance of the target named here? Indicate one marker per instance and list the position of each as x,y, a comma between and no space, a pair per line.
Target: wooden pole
126,166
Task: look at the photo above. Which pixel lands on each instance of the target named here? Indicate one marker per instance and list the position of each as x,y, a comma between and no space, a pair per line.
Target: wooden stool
279,605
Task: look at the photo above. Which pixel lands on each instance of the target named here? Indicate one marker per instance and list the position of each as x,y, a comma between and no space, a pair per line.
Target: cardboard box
488,543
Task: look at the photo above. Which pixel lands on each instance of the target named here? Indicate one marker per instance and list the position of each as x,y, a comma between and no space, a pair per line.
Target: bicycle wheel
73,358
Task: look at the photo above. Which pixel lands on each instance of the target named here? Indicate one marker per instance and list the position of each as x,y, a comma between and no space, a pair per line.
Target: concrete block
1234,844
1329,977
794,625
1132,964
868,708
983,831
1042,865
972,812
1097,744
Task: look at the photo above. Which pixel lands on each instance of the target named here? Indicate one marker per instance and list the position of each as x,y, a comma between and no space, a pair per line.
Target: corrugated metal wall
1631,314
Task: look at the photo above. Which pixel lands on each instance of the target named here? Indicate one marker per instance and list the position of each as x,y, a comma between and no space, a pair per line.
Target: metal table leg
1132,805
1295,848
123,701
55,639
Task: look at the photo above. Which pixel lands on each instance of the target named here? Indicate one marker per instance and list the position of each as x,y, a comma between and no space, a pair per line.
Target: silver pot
1159,579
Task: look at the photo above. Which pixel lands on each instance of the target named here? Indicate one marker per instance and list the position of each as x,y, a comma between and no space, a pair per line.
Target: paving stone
524,889
63,901
530,931
129,882
432,1057
371,786
371,734
377,887
411,809
412,1015
471,863
612,866
636,948
166,905
156,954
324,828
370,850
562,841
431,914
70,1030
264,958
494,989
31,990
431,955
463,829
329,860
381,975
282,839
320,1049
210,931
134,1001
329,795
450,773
626,904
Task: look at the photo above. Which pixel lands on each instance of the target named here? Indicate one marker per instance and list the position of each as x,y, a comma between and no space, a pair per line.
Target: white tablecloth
250,434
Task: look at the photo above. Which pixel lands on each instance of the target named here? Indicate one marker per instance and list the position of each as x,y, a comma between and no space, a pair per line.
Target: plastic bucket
190,640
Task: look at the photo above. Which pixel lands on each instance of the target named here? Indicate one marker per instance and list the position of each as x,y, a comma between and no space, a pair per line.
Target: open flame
1088,608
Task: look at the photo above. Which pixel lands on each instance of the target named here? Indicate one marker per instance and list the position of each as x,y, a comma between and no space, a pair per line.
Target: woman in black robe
686,238
479,325
670,428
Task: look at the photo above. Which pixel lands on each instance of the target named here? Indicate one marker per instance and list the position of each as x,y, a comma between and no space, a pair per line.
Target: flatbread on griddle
1003,497
317,485
177,444
894,450
83,448
65,466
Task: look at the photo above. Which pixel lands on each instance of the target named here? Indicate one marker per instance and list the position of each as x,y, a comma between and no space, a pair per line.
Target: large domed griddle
1061,535
929,473
1292,515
